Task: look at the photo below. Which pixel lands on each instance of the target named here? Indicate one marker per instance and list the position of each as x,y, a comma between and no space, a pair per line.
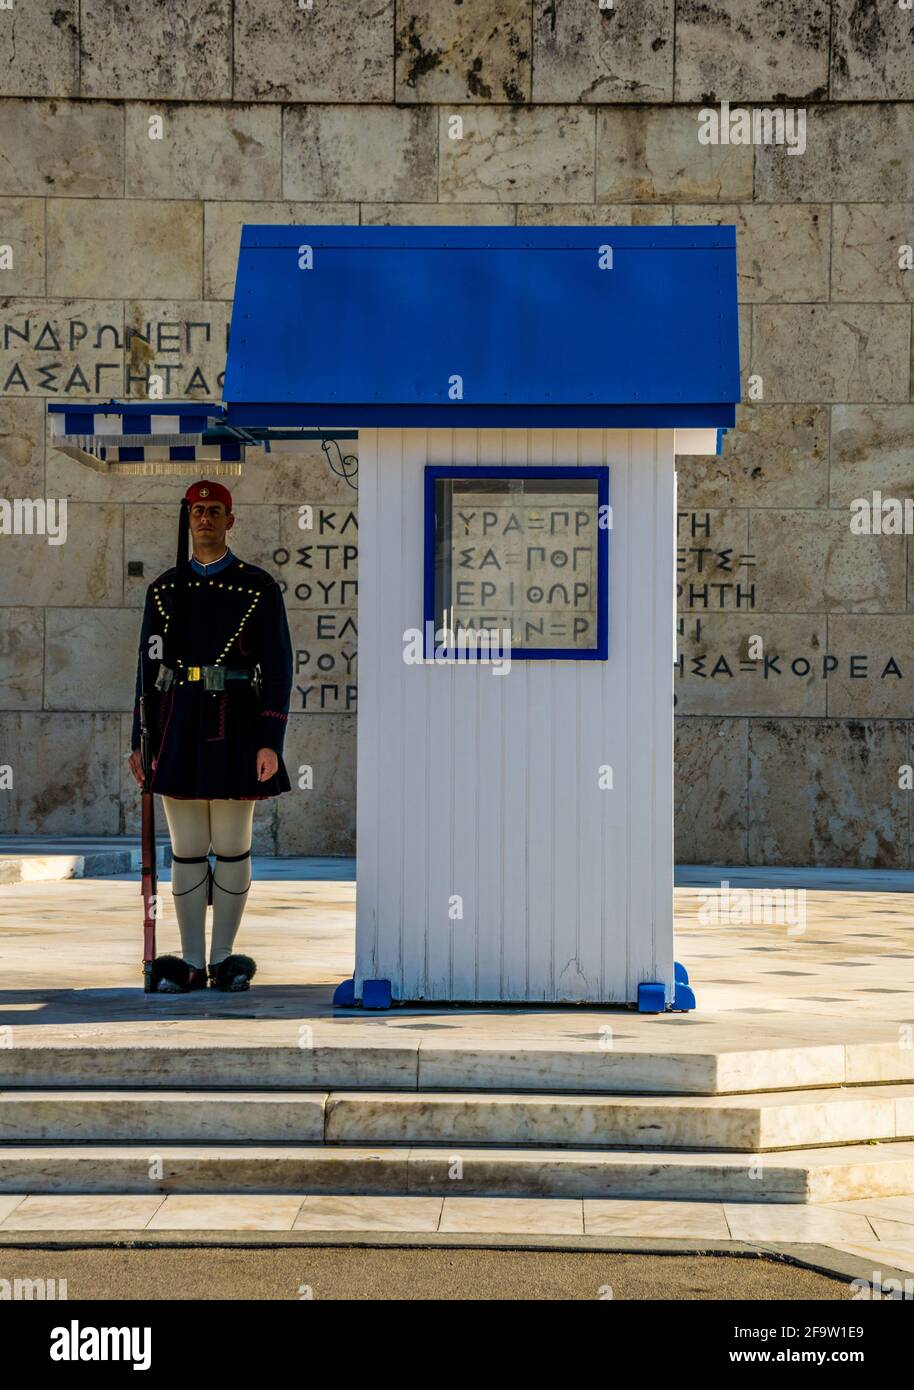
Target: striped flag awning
140,438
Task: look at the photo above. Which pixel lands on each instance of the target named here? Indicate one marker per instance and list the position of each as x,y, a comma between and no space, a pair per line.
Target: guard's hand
267,764
136,765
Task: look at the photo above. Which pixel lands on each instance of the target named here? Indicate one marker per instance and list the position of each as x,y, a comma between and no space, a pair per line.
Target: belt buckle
213,677
193,673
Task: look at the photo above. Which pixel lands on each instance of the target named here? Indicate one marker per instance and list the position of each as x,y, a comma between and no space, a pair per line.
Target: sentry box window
524,550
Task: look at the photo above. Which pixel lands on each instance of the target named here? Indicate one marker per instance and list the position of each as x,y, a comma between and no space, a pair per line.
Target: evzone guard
215,677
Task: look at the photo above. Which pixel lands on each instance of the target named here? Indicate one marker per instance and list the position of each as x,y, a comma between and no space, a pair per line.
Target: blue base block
376,994
683,999
651,999
344,994
680,974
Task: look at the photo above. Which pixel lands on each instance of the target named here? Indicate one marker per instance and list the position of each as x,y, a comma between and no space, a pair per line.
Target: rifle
148,879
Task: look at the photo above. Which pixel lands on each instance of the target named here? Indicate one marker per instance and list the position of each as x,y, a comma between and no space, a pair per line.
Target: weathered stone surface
719,678
316,53
872,51
118,249
180,49
517,154
222,236
711,794
320,820
777,456
594,215
437,215
734,52
866,243
324,659
205,152
875,673
379,154
855,352
183,343
65,774
809,561
712,557
300,476
22,230
826,792
91,658
39,49
322,568
653,154
62,147
150,533
853,154
584,52
21,658
474,51
782,250
70,348
85,571
22,431
871,449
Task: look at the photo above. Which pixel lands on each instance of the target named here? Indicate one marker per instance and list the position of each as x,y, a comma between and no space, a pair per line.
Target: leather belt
212,677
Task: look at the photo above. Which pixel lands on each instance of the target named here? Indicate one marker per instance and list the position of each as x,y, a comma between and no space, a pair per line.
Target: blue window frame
575,608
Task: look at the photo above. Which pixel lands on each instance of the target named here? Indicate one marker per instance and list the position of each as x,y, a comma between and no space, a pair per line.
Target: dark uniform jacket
205,743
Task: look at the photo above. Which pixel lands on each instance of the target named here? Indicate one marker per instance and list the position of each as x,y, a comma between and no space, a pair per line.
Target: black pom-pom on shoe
232,974
172,975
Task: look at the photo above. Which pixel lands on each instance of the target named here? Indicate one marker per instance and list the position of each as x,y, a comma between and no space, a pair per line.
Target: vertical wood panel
370,711
414,933
439,681
392,752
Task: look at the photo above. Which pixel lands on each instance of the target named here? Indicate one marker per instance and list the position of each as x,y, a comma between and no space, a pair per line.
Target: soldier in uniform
216,654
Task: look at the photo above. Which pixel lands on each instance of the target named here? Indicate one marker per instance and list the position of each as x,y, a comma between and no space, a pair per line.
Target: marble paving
70,952
845,976
849,1228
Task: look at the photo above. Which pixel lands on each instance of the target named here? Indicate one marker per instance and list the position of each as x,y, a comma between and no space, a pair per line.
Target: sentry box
520,396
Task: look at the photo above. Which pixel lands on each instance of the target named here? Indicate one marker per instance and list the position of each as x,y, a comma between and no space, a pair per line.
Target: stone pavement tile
69,1212
226,1212
886,1208
663,1220
9,1202
369,1214
898,1256
513,1215
893,1232
788,1221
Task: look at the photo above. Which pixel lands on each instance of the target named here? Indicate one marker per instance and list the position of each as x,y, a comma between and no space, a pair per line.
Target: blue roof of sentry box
386,318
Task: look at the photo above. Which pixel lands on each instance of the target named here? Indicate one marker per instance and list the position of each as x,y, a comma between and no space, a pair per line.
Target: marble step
803,1175
394,1062
749,1124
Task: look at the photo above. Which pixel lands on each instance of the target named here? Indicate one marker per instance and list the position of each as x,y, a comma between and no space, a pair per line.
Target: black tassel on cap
183,559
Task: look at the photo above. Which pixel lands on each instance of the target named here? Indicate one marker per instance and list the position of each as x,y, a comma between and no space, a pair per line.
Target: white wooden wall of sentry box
488,787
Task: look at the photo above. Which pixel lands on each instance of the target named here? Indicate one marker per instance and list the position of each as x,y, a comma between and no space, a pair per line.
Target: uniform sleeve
276,670
145,667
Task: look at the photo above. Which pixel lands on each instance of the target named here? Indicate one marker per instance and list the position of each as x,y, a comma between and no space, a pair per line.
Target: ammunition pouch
165,678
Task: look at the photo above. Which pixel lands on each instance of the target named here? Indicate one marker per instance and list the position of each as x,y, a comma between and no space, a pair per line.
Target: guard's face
209,522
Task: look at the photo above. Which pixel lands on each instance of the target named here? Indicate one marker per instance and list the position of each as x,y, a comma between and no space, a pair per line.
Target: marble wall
117,255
